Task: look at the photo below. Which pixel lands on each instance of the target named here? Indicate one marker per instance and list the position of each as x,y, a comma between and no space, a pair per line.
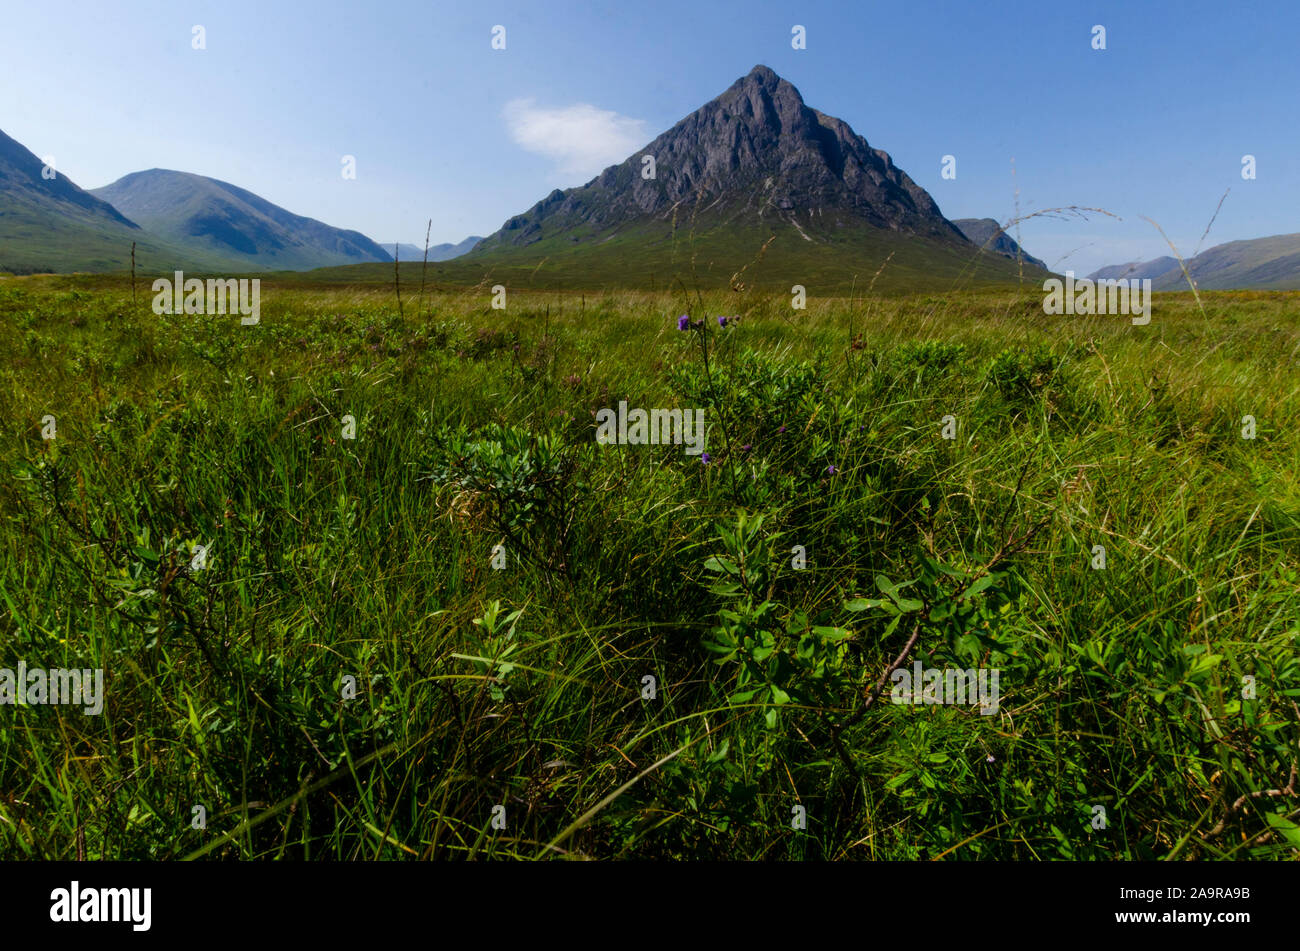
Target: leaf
862,604
898,781
1290,831
721,564
980,585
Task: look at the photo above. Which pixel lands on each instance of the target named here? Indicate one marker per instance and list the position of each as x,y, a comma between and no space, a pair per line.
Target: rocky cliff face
988,234
755,152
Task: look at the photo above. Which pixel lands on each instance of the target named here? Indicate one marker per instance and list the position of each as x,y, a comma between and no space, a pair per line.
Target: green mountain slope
1271,263
50,224
717,253
211,217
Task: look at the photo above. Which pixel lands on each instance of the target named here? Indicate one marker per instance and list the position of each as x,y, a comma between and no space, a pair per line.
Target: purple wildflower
780,431
684,322
831,470
722,321
706,458
746,447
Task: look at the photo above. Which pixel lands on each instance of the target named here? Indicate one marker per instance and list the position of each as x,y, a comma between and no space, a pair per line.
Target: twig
419,304
1288,790
397,282
899,661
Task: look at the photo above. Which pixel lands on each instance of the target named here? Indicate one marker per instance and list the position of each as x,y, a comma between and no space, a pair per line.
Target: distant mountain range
1137,270
752,187
988,234
176,220
1271,263
215,218
47,223
437,252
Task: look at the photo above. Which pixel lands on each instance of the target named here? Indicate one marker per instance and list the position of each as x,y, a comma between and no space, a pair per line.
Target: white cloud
580,139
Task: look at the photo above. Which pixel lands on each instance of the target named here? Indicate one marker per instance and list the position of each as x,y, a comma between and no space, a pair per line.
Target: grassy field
351,676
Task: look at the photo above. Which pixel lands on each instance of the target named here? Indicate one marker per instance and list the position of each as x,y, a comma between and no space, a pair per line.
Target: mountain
1271,263
211,217
754,187
50,224
1136,270
437,252
988,234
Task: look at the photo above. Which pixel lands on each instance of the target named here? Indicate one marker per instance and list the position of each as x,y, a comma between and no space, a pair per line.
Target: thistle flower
722,321
684,322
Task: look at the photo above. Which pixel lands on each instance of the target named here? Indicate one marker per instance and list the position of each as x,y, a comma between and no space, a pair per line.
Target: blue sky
443,127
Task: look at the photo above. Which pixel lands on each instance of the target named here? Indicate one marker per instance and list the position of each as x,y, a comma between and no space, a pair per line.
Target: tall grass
372,559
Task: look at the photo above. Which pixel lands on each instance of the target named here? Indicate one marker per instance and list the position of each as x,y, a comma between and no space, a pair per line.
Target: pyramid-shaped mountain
753,169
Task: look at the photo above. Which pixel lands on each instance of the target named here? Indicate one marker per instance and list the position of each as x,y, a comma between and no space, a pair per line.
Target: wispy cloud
580,139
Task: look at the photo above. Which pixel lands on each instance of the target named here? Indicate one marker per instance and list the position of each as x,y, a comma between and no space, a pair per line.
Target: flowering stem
717,405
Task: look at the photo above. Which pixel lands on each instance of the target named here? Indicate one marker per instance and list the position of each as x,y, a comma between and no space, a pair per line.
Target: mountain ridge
52,224
437,252
988,234
215,217
1268,263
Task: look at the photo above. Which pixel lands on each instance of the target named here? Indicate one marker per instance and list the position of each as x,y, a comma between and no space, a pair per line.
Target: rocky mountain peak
755,152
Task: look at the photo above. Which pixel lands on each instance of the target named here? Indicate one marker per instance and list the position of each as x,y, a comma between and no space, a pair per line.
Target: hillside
1136,270
50,224
1271,263
988,234
211,217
